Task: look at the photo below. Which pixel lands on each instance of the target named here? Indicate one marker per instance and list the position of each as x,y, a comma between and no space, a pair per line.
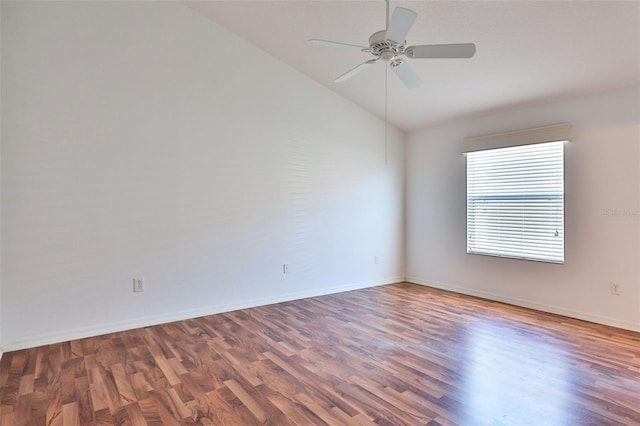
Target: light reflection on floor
514,379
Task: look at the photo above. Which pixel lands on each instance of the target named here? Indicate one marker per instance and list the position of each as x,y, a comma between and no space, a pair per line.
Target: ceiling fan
390,46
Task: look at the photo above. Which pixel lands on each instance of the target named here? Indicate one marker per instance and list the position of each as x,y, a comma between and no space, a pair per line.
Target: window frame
506,207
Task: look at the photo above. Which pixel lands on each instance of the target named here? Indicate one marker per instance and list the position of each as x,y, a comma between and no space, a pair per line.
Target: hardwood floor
391,355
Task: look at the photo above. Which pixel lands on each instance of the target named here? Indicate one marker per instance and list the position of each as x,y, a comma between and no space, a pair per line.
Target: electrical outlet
376,260
285,268
616,290
138,285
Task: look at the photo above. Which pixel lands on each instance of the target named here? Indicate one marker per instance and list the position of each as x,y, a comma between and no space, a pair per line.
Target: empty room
320,212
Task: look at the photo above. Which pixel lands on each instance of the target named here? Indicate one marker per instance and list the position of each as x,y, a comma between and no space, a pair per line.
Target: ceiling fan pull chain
386,121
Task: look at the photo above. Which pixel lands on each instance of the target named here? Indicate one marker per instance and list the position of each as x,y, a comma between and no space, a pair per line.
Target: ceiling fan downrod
386,26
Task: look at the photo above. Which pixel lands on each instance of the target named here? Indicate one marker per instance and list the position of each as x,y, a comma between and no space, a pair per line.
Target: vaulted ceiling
527,52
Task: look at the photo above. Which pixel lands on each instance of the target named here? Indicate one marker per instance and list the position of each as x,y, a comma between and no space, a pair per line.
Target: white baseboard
627,325
80,333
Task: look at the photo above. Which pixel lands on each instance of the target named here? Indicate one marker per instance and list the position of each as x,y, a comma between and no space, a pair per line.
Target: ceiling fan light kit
390,46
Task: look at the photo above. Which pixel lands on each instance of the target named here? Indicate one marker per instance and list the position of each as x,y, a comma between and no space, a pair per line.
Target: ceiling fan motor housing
383,48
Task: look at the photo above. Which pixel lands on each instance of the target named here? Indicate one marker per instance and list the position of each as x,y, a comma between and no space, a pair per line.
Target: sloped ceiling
527,52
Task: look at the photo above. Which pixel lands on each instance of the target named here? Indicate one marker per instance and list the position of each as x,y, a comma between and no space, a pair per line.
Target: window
515,200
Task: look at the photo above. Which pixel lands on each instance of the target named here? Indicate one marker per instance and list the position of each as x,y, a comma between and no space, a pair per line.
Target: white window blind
515,202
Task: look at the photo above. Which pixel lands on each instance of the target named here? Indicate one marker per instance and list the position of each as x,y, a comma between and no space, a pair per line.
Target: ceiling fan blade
328,43
400,24
462,50
347,75
406,74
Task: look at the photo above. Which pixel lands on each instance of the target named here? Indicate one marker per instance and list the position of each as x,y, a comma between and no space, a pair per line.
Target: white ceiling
527,52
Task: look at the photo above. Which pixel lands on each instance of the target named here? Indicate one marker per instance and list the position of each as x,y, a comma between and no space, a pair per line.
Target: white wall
0,186
602,219
140,139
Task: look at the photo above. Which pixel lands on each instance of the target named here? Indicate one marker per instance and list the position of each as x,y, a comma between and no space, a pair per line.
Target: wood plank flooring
400,354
